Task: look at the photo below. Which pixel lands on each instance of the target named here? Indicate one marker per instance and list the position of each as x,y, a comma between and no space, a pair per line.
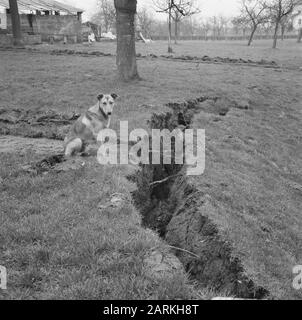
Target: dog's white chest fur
86,122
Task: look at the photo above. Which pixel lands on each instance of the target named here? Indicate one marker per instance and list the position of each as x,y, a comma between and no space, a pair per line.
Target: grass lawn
57,243
288,52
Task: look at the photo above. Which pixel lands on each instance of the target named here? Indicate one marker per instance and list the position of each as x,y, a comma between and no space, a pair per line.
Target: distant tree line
269,15
257,17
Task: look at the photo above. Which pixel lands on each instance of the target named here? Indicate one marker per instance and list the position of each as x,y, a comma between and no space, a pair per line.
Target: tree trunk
176,31
16,25
299,36
276,34
170,50
252,35
126,54
282,31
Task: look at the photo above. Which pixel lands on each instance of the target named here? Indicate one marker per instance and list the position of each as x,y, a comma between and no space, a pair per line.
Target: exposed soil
263,62
173,207
186,58
215,60
35,123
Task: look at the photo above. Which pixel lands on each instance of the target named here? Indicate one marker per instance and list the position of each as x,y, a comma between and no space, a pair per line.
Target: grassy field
289,52
58,243
55,241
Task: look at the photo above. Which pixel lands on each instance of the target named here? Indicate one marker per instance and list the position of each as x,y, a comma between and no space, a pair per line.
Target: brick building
44,20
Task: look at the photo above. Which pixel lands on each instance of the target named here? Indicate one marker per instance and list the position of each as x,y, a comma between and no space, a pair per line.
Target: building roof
42,5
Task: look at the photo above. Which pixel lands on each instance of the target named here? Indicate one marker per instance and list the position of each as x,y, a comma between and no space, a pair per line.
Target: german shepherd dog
86,129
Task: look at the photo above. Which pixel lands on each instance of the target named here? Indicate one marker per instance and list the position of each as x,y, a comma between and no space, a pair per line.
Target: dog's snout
109,113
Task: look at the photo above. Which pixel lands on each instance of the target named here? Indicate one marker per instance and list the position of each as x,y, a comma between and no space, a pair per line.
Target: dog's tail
73,147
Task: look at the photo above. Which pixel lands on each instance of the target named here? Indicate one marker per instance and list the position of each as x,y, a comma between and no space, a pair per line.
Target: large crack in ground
171,205
167,200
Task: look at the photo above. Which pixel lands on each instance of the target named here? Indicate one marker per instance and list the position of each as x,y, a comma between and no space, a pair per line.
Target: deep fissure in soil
172,206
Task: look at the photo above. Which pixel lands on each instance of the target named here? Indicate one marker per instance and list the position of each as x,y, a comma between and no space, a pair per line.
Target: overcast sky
209,8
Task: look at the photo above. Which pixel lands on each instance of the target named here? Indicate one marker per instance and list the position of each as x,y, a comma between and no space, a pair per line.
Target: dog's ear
114,96
100,97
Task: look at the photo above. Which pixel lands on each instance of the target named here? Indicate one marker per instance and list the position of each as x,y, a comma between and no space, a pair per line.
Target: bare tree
166,6
255,12
182,9
218,25
285,25
205,27
240,23
278,10
267,27
223,23
215,27
173,8
145,21
177,17
126,54
299,36
16,25
106,15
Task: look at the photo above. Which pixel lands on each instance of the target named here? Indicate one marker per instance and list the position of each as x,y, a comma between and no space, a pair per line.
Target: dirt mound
35,123
188,58
207,59
215,60
55,163
173,207
80,53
